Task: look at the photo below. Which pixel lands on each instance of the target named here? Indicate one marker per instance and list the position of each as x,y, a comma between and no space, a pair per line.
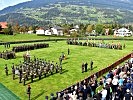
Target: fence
105,70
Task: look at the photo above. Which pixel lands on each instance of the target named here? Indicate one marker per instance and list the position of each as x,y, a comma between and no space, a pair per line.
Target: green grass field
71,66
24,37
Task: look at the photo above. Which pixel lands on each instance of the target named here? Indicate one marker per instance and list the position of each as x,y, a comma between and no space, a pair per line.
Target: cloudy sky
6,3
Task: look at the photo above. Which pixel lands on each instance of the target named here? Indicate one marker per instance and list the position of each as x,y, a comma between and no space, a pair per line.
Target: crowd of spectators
117,84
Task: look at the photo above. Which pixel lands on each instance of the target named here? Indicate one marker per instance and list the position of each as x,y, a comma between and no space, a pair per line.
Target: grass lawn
72,67
24,37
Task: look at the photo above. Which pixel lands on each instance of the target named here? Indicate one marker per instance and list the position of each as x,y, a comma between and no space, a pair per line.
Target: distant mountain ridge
47,6
123,4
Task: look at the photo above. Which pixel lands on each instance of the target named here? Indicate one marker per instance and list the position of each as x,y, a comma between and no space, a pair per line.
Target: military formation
101,44
36,68
29,47
7,55
6,45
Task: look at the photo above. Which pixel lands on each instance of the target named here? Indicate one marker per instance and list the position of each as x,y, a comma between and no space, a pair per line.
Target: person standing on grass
83,65
60,69
29,91
60,60
6,69
68,51
91,65
13,72
86,64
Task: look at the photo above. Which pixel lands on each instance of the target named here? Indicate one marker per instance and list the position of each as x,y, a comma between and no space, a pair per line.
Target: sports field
71,67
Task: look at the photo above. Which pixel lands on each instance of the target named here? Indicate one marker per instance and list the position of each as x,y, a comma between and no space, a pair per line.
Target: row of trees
100,29
82,29
7,30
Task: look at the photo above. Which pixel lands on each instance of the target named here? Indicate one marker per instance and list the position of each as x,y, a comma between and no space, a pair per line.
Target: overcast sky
6,3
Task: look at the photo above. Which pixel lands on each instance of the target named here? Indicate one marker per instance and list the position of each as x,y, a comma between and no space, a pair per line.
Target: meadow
71,66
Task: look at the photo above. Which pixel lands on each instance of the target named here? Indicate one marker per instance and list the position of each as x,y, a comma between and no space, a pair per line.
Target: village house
123,32
73,31
50,31
40,31
57,30
3,25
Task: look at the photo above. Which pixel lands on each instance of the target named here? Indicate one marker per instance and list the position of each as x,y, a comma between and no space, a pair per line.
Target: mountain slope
42,12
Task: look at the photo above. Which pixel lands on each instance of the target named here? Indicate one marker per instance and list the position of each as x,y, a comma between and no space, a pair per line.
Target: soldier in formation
7,45
7,55
33,69
13,71
101,44
29,47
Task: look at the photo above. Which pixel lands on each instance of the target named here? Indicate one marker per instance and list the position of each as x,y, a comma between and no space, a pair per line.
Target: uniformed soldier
56,68
91,65
24,78
68,51
86,64
20,74
39,73
45,72
60,60
27,73
13,72
83,67
32,75
60,69
6,69
29,91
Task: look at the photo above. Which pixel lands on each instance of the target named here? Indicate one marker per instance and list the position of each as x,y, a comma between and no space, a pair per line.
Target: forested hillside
45,12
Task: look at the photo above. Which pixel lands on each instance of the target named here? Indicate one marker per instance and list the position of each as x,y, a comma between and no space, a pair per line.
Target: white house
76,27
123,32
30,32
48,32
40,32
73,30
57,30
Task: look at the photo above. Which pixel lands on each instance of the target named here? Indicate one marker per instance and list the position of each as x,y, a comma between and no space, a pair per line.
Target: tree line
82,30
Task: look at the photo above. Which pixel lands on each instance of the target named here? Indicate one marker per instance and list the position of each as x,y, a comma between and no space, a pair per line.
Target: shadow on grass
92,68
64,63
67,58
48,75
37,96
64,71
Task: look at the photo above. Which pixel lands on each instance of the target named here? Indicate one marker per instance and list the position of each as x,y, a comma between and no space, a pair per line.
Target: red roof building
3,24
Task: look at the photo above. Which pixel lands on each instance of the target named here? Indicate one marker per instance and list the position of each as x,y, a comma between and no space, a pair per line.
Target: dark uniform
32,76
86,64
24,78
29,91
68,51
91,65
20,75
83,67
60,60
60,69
13,72
40,74
56,68
6,69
